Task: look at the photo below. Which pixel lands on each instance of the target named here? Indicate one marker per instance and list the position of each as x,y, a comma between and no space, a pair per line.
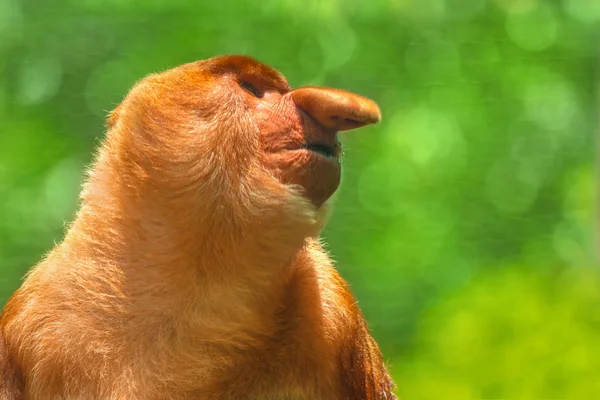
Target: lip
320,165
323,149
319,139
318,159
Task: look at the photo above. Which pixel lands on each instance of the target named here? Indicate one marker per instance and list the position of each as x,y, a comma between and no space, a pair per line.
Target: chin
318,174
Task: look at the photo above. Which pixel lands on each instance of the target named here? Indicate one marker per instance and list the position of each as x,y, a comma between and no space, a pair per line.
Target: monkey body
193,268
274,346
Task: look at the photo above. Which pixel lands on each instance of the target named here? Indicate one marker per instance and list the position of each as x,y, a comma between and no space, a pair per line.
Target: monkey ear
113,116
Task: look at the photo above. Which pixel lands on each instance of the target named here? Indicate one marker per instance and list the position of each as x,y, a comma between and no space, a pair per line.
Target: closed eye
248,87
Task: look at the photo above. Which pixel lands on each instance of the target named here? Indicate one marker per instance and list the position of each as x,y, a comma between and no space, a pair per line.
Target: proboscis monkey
193,269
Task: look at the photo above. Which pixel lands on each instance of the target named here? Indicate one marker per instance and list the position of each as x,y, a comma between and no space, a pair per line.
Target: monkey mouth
325,150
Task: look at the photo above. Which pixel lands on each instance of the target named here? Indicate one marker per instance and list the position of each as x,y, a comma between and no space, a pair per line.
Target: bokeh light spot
383,186
61,190
534,30
587,11
430,138
338,42
550,102
39,79
512,188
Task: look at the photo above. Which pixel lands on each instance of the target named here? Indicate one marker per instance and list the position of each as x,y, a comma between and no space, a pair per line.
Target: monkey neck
220,232
176,247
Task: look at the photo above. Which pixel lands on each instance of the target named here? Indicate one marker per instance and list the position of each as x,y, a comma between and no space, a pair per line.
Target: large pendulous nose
336,109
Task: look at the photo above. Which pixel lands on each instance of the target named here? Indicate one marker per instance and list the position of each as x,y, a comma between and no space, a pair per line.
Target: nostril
352,121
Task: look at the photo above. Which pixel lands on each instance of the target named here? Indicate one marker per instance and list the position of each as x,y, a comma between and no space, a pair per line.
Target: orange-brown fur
193,269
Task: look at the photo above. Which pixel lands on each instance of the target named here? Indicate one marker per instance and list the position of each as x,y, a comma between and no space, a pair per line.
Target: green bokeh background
465,220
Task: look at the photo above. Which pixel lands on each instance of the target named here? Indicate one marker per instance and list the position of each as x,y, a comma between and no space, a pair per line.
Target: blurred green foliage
465,220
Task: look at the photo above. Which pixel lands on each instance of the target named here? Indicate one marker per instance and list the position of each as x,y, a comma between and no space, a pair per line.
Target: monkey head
230,124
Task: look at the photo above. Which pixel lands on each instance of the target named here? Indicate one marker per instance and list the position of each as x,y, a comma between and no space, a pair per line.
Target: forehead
246,67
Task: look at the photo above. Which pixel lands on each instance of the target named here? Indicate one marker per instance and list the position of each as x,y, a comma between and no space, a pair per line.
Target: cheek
288,164
279,125
283,136
276,137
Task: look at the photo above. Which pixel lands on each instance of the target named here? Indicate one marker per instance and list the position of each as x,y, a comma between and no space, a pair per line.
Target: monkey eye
248,87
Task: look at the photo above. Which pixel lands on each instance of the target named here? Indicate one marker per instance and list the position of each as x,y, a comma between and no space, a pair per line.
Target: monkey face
298,128
297,148
253,116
